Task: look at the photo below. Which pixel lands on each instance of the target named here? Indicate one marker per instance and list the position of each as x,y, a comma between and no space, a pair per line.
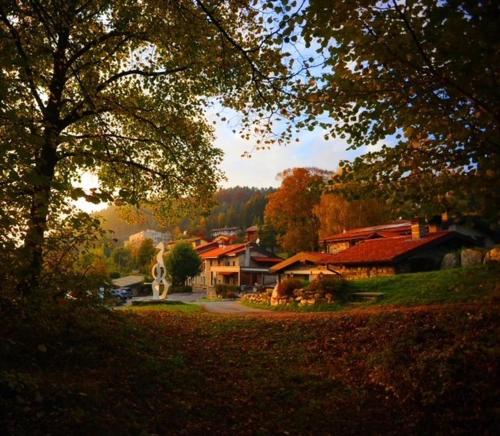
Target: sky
261,169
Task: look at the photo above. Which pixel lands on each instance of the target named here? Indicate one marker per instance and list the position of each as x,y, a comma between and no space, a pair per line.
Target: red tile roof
380,250
386,250
385,230
223,251
207,246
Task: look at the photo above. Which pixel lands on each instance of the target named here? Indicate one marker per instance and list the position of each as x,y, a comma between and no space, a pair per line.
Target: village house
154,235
359,253
226,231
234,264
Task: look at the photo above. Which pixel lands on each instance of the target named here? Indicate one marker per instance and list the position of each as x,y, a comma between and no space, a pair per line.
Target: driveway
188,297
233,307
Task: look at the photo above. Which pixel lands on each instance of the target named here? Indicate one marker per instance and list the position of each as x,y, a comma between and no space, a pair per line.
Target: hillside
240,206
426,369
112,219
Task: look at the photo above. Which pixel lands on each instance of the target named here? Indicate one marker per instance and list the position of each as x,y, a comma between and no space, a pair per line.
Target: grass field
480,283
167,306
459,285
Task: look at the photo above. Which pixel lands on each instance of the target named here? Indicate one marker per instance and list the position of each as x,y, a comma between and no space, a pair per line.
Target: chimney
435,224
246,261
445,221
418,229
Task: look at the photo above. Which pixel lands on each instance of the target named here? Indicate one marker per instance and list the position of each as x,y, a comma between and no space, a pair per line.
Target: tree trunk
43,176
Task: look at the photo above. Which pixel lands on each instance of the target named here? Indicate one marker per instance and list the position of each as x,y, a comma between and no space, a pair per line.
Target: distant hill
112,218
240,206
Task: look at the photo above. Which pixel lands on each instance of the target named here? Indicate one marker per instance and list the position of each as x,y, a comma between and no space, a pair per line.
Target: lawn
459,285
479,283
86,370
167,306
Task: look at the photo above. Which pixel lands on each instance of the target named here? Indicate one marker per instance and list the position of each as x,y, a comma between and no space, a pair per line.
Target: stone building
385,254
154,235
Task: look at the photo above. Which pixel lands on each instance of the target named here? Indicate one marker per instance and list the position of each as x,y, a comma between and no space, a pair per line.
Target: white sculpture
159,274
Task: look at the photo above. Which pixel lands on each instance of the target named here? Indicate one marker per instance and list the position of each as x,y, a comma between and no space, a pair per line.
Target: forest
240,206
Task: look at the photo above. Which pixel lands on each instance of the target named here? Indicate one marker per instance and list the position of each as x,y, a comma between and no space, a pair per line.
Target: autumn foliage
303,210
336,214
421,370
289,210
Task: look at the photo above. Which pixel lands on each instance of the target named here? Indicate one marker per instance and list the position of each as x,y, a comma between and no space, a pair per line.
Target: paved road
233,307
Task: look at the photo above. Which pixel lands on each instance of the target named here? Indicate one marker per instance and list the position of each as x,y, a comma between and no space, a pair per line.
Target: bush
333,285
287,286
179,289
115,275
226,291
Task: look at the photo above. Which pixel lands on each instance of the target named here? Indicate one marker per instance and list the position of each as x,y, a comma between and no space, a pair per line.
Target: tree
424,72
122,258
119,88
336,214
181,263
267,237
145,255
290,210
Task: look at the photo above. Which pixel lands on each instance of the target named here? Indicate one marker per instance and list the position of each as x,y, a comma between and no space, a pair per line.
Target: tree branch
138,72
481,105
25,61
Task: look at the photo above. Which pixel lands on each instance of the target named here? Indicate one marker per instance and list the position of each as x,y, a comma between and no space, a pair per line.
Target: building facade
154,235
235,264
226,231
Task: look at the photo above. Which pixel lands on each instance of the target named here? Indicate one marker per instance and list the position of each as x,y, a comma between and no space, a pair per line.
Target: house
387,253
226,231
235,264
154,235
306,265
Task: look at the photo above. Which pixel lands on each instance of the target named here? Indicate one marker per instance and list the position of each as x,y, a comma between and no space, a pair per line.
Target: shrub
115,275
333,285
226,291
287,286
177,289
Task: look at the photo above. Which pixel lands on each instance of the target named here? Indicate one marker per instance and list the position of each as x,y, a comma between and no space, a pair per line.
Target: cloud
260,170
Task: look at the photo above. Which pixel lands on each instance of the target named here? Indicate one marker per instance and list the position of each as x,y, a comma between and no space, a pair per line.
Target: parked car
122,293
